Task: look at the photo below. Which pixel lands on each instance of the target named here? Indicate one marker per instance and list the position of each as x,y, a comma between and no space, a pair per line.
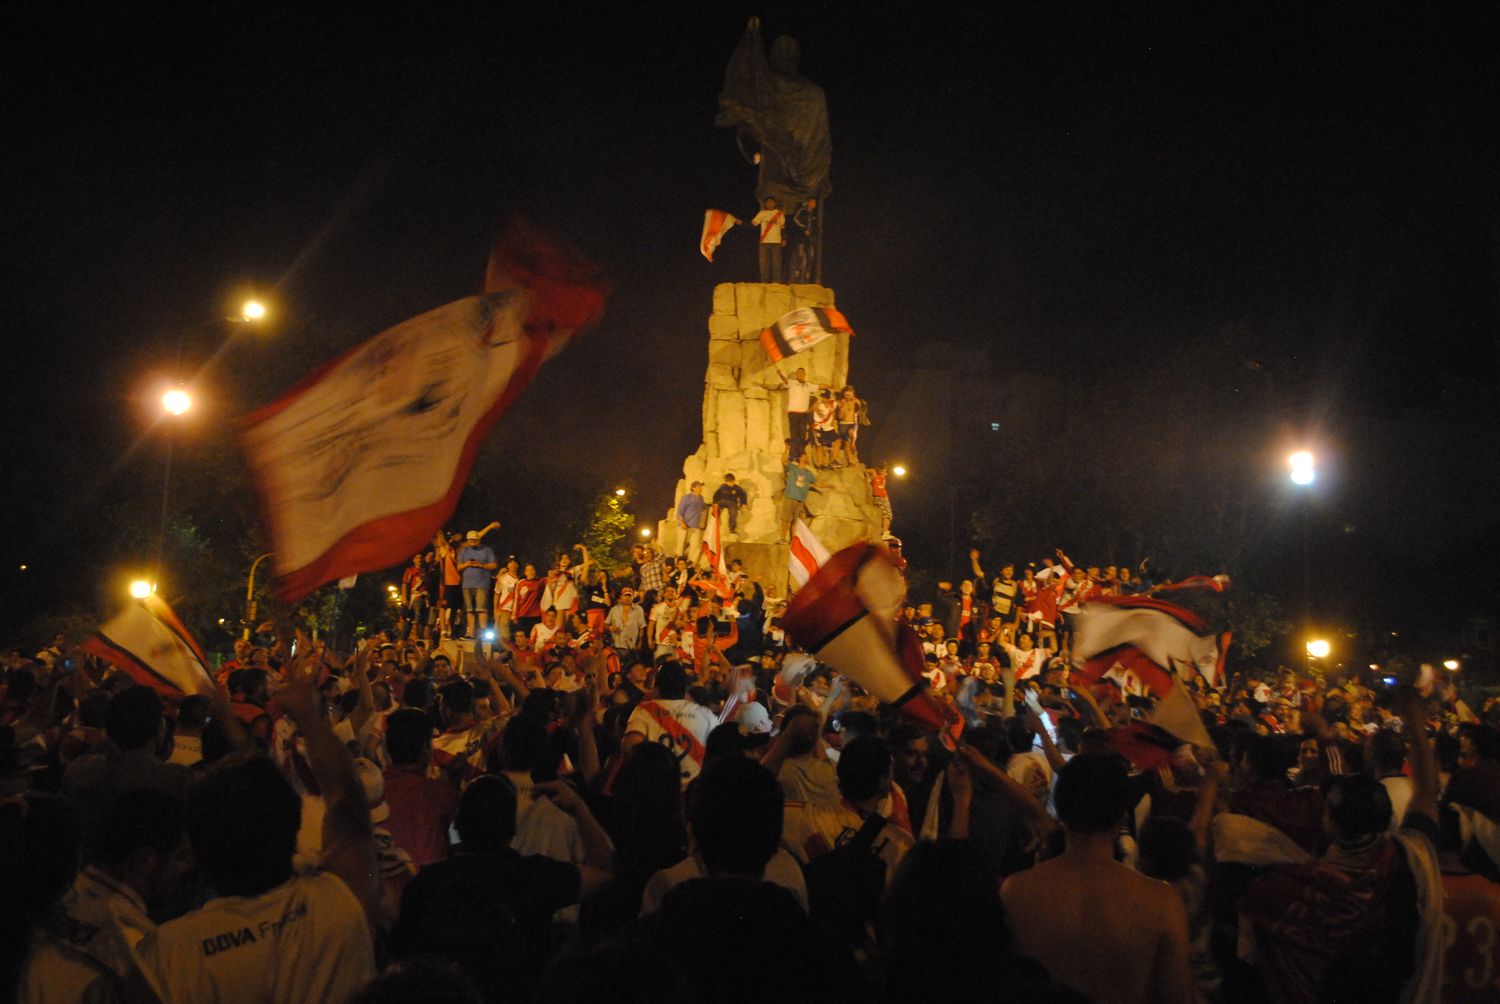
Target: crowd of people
631,784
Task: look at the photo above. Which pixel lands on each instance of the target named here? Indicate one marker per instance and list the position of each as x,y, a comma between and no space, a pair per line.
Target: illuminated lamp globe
1318,648
140,589
253,310
176,401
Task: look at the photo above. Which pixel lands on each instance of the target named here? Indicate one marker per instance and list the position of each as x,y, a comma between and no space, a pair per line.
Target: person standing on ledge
771,221
691,510
799,394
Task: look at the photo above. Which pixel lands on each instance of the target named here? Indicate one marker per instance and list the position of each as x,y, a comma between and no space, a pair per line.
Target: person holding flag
771,221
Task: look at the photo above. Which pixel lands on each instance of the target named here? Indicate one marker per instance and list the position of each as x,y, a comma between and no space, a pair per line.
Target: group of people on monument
773,229
664,787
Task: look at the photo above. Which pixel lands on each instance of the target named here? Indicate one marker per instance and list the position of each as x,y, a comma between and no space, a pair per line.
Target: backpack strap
865,838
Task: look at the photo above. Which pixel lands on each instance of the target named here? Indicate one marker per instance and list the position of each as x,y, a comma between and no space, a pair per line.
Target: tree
607,532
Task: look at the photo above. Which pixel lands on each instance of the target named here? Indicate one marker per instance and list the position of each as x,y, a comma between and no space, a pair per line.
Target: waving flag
149,643
846,617
359,466
1151,638
801,329
716,223
806,554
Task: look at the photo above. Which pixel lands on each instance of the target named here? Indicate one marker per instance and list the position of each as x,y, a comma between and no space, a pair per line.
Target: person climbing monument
729,497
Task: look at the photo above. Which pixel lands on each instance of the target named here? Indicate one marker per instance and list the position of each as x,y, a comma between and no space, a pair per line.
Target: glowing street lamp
1450,664
253,310
645,532
619,492
176,402
1318,648
1303,468
899,471
140,589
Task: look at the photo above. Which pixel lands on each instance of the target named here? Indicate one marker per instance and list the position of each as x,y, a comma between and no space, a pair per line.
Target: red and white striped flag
359,466
713,545
806,554
152,645
801,329
1151,638
716,223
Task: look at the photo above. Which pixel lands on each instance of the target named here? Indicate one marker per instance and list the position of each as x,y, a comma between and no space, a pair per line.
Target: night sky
1071,189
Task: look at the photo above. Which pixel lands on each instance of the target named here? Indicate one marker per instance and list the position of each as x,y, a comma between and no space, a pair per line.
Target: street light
1303,468
645,531
1318,648
140,589
176,402
1450,664
899,471
253,310
620,492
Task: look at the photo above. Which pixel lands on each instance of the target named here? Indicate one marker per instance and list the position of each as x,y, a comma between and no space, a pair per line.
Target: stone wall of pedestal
745,429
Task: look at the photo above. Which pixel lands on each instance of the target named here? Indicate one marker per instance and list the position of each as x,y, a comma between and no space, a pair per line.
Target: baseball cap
472,535
753,719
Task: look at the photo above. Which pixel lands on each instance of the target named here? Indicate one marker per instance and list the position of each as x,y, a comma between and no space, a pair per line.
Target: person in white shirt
673,720
771,221
272,934
626,622
505,596
799,394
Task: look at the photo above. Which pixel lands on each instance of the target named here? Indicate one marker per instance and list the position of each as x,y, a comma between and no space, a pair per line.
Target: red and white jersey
561,593
770,222
682,726
1027,663
505,592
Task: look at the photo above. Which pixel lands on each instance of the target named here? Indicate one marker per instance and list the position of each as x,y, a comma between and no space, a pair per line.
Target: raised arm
1424,775
974,563
348,844
596,870
1032,810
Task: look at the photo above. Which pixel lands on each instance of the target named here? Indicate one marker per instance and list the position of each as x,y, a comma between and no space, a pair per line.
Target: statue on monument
780,120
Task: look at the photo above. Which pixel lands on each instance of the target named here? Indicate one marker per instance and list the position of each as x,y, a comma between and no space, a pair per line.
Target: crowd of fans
592,785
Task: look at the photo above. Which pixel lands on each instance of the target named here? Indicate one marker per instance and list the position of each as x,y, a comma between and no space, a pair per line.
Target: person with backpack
848,851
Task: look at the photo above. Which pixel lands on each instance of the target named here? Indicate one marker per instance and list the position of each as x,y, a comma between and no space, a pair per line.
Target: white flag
149,643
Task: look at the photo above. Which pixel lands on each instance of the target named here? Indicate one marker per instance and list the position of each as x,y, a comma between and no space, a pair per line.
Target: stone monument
745,433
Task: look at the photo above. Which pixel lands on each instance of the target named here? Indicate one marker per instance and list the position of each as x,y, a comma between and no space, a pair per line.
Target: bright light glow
1318,648
23,568
1303,467
140,589
221,622
899,471
645,531
620,492
1374,665
176,401
1450,664
253,310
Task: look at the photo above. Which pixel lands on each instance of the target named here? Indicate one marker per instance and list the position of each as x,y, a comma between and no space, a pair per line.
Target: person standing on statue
798,400
804,220
772,221
691,511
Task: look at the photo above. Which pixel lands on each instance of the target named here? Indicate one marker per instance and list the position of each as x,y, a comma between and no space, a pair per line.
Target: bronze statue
781,123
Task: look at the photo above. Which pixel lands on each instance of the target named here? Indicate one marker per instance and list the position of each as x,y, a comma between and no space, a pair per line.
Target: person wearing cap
626,622
476,567
730,496
691,512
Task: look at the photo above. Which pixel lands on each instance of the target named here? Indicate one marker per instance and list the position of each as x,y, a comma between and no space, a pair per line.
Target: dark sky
1071,188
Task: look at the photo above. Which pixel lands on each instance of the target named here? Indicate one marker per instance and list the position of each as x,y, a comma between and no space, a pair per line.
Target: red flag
805,553
1152,638
359,465
716,224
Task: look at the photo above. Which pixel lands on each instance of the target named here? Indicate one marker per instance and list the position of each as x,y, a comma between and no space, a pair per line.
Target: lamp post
1302,469
250,594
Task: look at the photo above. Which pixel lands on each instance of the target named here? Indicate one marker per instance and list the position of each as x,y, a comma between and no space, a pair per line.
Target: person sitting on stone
729,497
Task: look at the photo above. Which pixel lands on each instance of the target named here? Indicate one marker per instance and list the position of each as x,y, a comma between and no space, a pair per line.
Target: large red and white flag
801,329
1151,638
806,554
359,465
150,643
716,223
846,617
